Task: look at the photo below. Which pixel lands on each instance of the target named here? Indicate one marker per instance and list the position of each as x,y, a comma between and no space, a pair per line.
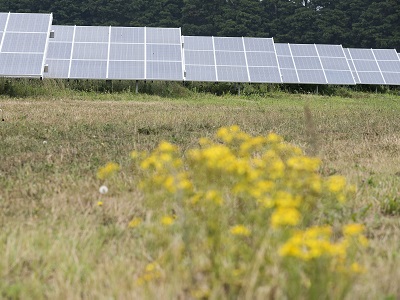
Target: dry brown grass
56,243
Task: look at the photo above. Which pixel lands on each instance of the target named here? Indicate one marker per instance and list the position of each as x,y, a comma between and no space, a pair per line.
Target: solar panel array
144,53
24,39
91,52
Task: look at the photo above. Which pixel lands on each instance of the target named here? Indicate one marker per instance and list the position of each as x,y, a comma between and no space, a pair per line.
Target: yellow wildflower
356,231
185,184
214,196
166,147
312,243
205,141
273,138
353,229
100,203
286,200
167,220
223,133
261,188
357,268
240,230
267,202
196,198
106,171
135,222
290,249
150,267
336,184
251,145
134,154
165,157
339,249
169,184
151,273
341,198
302,163
232,133
285,216
315,183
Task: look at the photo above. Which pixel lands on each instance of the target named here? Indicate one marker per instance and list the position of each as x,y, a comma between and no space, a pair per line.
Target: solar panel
24,39
375,66
89,52
127,53
351,64
311,63
164,54
366,66
127,35
127,69
389,65
200,73
308,65
15,42
115,53
230,59
262,60
58,68
199,58
335,64
38,23
59,52
63,34
286,63
3,21
215,59
170,36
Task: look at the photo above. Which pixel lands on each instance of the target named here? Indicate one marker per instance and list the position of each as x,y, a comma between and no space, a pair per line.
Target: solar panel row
163,54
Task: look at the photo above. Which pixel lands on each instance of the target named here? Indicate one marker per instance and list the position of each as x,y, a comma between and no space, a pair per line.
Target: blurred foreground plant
247,217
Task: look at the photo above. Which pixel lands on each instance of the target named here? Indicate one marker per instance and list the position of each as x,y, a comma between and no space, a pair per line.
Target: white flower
103,189
44,142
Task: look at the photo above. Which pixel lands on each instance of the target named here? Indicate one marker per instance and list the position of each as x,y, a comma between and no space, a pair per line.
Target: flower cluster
151,273
108,170
316,241
235,193
167,170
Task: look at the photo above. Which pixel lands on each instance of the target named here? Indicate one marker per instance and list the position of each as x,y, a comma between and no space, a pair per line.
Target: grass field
57,243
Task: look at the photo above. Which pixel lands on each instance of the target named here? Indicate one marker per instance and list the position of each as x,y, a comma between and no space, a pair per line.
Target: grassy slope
55,241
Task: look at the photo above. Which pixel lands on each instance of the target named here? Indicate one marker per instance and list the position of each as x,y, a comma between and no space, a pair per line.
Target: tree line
352,23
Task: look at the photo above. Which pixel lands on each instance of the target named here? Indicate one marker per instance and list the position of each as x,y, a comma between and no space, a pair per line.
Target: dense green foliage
352,23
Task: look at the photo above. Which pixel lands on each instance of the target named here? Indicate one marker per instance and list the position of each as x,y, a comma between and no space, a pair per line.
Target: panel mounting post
137,87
